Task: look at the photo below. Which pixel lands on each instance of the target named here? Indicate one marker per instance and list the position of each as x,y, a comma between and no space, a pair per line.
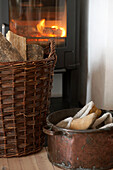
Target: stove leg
71,87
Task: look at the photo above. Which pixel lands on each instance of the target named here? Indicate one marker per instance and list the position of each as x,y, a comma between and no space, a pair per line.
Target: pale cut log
65,123
18,42
8,53
83,123
34,52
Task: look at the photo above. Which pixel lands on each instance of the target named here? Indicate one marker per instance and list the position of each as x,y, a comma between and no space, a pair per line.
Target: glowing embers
50,31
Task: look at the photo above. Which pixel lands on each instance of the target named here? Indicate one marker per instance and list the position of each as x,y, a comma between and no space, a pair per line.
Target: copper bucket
72,149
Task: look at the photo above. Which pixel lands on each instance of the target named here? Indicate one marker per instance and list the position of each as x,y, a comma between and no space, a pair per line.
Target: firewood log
83,123
19,42
34,52
52,31
8,53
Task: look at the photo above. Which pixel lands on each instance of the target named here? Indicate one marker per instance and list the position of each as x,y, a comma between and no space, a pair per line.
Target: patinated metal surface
70,149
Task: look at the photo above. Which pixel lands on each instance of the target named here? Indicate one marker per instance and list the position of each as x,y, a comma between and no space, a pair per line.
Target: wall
100,53
109,59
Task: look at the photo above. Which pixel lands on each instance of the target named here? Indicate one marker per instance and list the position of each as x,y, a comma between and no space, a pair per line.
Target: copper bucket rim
59,129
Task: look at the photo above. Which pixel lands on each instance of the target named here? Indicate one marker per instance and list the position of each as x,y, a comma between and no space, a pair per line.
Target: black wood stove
40,20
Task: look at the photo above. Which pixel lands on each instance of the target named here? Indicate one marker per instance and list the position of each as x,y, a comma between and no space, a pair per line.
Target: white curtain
100,53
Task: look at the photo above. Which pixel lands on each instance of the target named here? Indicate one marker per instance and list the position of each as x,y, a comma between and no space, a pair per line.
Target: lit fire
53,31
41,26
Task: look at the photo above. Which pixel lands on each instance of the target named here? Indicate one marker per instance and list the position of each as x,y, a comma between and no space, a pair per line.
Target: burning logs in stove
36,31
52,32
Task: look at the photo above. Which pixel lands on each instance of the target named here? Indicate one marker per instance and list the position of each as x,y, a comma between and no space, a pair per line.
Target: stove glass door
39,20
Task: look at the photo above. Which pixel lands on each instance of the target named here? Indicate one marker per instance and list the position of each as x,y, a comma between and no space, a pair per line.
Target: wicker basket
25,90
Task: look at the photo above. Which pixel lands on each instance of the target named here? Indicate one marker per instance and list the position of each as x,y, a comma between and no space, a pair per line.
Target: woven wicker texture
25,90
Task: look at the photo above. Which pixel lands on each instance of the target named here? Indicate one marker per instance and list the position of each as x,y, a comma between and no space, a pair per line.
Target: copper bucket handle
47,130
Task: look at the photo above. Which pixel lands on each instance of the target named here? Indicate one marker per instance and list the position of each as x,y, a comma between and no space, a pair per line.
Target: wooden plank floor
37,161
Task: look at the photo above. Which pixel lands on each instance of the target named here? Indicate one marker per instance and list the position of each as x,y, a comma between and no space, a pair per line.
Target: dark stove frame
68,56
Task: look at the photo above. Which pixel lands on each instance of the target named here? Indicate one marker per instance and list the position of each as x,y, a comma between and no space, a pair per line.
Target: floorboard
4,164
37,161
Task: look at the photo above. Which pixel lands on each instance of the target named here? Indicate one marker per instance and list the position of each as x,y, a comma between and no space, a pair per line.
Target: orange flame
41,27
62,29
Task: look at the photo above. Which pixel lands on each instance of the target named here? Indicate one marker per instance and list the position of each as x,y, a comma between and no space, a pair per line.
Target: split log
8,53
18,42
34,52
83,123
52,31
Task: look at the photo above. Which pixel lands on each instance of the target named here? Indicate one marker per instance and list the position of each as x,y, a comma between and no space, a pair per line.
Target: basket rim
51,57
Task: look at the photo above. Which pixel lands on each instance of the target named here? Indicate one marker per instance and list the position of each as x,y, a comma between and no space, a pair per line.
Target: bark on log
52,31
18,42
34,52
8,53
